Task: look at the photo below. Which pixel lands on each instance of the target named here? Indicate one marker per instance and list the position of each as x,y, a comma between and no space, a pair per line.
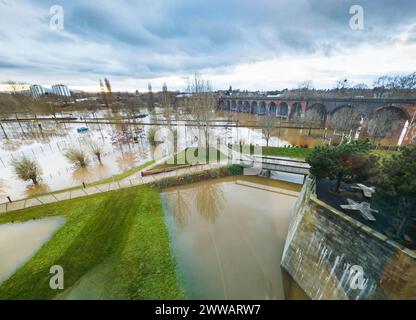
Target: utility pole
4,131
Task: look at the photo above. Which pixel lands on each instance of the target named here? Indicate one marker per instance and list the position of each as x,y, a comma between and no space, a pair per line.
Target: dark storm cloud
161,37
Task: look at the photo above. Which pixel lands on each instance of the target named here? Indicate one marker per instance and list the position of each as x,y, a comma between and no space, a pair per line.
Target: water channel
227,236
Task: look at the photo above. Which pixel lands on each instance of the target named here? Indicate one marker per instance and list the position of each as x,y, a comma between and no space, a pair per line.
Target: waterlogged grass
292,152
123,175
113,245
117,177
302,153
182,158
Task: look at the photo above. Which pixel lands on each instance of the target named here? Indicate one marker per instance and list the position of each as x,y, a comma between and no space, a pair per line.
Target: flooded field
20,241
125,146
228,236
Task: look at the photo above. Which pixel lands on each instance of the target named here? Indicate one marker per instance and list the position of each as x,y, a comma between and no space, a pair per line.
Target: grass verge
113,245
117,177
182,158
289,152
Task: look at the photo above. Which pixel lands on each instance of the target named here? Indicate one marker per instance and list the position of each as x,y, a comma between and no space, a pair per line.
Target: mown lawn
293,152
113,245
181,158
117,177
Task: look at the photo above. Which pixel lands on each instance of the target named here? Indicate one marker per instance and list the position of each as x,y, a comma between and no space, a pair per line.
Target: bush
347,162
234,170
26,169
397,186
231,170
77,157
151,136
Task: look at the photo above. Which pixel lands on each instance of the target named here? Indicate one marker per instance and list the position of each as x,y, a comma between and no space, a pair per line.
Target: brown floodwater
228,236
20,241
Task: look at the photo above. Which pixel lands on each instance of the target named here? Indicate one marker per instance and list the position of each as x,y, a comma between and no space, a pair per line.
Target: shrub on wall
231,170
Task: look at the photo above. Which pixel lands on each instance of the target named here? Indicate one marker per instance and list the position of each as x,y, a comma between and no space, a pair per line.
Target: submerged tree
96,149
106,92
151,136
268,125
150,98
201,104
383,121
346,118
397,186
26,169
76,156
347,162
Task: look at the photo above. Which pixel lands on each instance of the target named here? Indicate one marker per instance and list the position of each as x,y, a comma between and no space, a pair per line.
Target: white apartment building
37,90
61,90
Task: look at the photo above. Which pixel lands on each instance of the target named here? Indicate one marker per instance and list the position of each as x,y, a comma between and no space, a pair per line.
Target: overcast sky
249,44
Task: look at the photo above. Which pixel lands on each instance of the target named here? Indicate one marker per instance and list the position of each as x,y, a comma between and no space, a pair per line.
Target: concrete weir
332,256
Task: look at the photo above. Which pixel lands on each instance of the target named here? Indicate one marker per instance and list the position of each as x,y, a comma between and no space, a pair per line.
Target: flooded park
226,235
124,146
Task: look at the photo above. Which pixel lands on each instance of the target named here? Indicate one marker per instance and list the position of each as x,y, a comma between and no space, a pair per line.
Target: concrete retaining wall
332,256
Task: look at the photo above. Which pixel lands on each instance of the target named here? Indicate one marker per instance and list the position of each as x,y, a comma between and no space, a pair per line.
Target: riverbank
113,245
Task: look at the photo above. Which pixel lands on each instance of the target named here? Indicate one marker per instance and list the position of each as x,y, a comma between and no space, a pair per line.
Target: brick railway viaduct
292,108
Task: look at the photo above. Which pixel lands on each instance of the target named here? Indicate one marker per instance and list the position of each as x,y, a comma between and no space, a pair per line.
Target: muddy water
228,236
47,147
57,171
20,241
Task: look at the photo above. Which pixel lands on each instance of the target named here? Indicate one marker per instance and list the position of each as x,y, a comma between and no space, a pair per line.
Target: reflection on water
36,189
20,241
126,161
83,174
178,206
90,174
11,144
209,198
1,187
228,236
101,171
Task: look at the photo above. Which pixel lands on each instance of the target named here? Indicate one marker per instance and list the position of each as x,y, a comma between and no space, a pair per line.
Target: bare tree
313,118
201,104
166,100
382,122
150,98
103,94
109,93
96,149
23,100
167,105
106,92
346,118
268,125
151,136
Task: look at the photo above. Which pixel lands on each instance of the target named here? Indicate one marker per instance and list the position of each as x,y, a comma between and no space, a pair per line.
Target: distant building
61,90
37,91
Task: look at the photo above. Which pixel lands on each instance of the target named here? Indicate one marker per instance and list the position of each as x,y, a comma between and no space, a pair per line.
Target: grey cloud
153,38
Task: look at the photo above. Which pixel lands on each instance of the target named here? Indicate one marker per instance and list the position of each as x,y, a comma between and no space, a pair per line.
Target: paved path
133,180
